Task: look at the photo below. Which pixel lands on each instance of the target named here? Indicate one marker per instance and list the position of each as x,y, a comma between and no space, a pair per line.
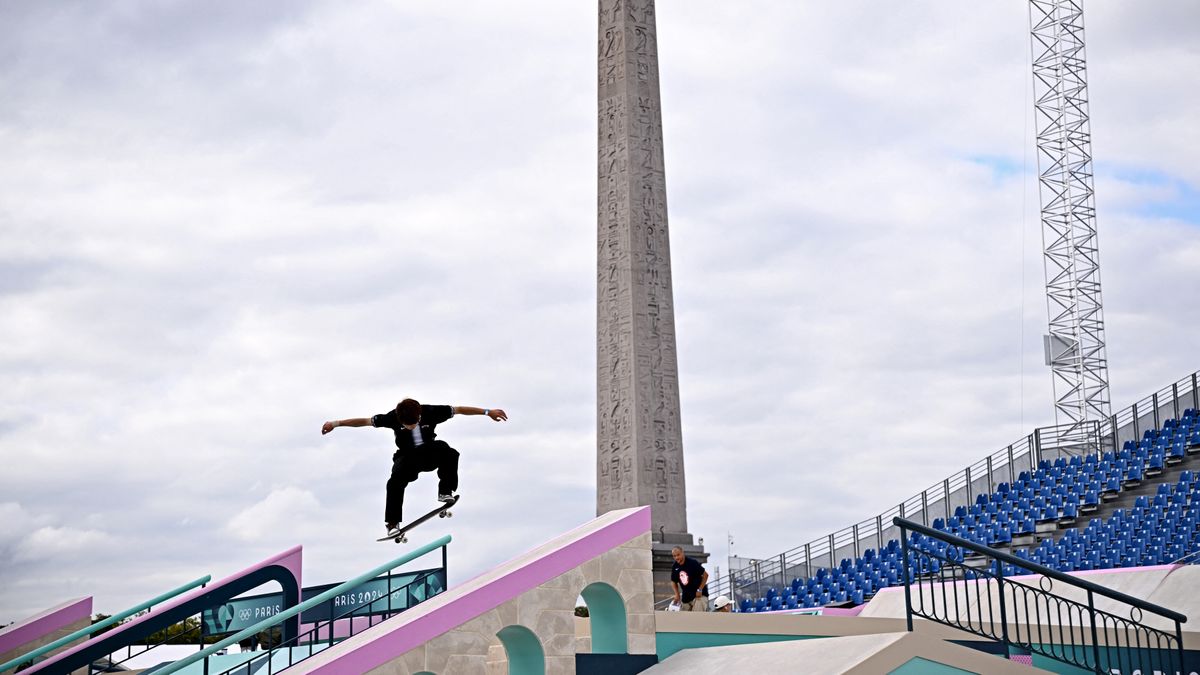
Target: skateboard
442,511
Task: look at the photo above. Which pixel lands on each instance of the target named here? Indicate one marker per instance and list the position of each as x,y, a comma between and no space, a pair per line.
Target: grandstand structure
1136,504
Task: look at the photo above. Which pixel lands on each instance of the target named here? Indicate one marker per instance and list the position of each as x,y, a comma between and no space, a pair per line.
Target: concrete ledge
879,653
44,627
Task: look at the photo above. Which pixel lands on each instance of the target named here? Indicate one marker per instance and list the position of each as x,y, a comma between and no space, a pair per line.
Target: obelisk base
662,561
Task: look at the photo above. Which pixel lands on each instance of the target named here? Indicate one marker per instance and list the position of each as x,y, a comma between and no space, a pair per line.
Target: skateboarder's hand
498,415
327,427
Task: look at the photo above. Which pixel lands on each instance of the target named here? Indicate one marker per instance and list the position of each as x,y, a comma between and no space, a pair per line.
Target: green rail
88,630
293,611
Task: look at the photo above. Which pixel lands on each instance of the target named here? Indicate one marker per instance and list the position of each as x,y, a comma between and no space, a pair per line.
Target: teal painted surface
1109,658
84,632
524,651
606,611
920,666
307,604
669,643
1047,663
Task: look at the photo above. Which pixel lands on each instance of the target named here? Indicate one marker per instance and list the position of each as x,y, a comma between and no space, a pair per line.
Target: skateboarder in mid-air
417,449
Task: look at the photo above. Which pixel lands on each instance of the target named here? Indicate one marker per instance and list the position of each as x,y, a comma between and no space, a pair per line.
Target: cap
720,602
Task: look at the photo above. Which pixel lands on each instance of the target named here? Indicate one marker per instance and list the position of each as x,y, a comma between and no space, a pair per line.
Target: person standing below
688,578
417,449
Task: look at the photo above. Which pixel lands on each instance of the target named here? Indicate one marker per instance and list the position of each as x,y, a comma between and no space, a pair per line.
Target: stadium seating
1157,529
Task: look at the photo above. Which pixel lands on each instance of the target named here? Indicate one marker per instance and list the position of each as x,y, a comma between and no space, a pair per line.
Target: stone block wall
549,611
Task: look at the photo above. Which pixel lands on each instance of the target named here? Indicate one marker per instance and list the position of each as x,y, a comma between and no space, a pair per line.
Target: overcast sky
224,223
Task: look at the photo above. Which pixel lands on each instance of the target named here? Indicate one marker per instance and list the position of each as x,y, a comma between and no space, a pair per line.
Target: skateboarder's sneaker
393,530
446,497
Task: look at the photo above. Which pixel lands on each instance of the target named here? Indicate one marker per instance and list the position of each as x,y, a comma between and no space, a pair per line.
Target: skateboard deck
441,511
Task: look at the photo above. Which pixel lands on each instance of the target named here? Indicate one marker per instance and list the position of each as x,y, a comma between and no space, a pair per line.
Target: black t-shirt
431,416
688,576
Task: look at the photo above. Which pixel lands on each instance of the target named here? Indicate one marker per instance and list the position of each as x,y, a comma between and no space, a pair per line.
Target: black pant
436,455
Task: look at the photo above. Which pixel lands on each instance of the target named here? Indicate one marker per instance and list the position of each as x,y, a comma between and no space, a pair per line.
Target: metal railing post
1137,432
1154,402
946,496
1012,477
1095,633
908,578
1179,645
1003,602
1175,399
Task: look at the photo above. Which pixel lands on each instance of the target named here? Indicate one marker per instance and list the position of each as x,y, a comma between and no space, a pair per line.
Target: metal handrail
314,633
99,625
129,655
938,585
306,605
1039,569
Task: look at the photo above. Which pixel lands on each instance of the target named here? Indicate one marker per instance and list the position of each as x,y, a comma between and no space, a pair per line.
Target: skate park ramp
519,616
902,653
44,627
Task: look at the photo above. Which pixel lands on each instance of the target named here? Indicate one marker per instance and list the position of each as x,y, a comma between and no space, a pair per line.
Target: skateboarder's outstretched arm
352,422
496,414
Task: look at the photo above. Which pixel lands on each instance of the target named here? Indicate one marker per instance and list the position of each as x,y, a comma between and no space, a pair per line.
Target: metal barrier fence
967,586
750,577
286,614
375,611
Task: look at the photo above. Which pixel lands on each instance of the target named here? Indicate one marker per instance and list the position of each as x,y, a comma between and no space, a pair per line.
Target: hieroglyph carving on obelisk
639,443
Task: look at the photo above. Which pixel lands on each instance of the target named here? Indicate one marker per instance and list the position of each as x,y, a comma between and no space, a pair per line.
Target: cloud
16,523
52,543
288,511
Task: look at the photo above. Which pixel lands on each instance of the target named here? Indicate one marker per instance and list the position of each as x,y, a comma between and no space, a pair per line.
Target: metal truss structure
1075,348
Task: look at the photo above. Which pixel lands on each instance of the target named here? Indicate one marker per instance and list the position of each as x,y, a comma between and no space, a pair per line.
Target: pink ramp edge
290,560
485,592
43,623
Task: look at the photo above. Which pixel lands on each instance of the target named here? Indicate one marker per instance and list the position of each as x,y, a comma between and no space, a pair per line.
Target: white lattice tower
1075,347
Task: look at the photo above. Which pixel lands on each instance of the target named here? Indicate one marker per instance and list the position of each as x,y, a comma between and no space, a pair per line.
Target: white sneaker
393,530
446,498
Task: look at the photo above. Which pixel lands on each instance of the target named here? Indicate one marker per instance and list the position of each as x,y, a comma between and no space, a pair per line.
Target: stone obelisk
639,453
